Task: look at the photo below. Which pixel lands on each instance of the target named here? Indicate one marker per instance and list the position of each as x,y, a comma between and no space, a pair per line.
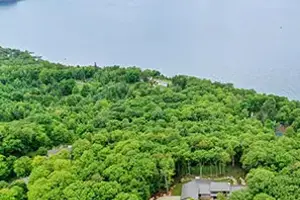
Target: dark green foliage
132,75
180,81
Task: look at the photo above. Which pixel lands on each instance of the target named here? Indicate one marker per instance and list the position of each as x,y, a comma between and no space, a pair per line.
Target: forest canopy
133,131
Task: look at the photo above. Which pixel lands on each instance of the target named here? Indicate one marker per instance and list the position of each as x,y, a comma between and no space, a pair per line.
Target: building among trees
206,189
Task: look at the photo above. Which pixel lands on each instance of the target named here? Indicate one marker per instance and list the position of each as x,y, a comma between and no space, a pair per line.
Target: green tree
22,166
180,81
263,196
221,196
132,75
4,168
260,180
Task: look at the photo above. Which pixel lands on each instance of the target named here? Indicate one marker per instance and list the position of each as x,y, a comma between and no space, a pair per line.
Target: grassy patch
177,189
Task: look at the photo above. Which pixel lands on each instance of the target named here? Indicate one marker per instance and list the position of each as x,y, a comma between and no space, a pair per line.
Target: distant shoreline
8,1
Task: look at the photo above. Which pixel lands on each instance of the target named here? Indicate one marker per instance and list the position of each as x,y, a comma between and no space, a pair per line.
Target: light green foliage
131,137
260,180
263,196
15,191
290,132
241,195
22,166
51,186
221,196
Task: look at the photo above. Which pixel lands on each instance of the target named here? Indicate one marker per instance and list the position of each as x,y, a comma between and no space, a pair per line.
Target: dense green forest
131,137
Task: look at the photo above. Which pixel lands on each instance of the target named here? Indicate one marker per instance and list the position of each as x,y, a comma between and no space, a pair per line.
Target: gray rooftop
203,187
55,151
219,186
190,190
169,198
206,188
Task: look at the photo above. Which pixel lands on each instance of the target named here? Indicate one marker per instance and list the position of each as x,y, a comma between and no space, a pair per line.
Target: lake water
251,43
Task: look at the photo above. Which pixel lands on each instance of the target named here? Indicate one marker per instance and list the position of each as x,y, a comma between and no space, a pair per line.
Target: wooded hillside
131,136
